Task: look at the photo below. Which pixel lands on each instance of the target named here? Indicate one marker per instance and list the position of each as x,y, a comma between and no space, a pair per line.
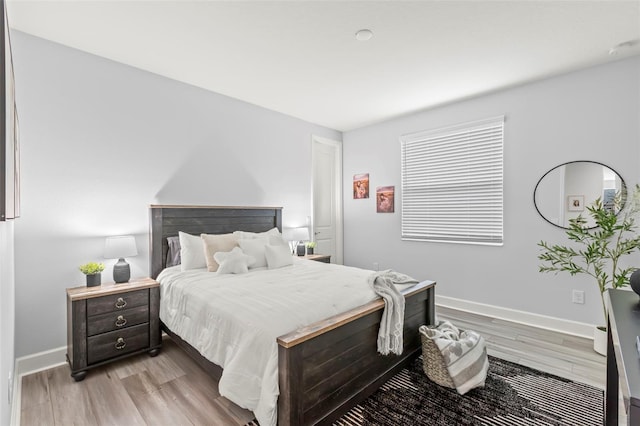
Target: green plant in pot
311,245
93,272
597,251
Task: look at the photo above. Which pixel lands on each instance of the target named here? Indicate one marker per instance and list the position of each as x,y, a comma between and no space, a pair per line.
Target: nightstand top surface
316,256
84,292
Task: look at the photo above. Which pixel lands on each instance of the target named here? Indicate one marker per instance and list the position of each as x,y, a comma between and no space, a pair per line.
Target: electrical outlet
376,267
578,297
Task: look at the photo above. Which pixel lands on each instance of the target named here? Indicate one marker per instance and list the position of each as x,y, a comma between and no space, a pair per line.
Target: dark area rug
513,395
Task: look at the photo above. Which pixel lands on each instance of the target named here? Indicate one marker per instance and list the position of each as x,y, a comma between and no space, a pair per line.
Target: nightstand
325,258
110,322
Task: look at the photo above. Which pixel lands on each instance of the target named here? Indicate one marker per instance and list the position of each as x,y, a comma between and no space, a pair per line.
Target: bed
324,368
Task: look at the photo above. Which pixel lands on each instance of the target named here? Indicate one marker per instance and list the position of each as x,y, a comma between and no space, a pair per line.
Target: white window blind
452,183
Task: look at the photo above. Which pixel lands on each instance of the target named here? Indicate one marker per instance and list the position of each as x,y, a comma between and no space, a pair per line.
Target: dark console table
623,361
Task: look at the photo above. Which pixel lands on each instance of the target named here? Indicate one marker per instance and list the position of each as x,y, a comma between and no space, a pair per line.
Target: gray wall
7,317
592,114
101,141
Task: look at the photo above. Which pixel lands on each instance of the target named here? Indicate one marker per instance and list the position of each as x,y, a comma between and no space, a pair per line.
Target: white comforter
234,320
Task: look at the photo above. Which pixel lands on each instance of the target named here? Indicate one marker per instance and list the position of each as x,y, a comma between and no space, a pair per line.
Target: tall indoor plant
597,251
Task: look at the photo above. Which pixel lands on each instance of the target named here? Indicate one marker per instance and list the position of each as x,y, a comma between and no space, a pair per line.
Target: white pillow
255,248
277,240
251,235
233,262
191,252
278,256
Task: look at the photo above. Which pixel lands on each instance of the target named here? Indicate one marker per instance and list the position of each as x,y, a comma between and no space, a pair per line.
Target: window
452,183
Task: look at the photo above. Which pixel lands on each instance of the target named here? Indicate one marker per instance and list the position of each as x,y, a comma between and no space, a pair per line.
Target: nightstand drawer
116,343
117,302
117,320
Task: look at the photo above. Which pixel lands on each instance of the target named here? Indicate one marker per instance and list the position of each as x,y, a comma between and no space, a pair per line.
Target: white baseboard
32,364
14,420
536,320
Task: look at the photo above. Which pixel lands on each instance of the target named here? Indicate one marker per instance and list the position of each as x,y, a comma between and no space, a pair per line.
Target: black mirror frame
623,189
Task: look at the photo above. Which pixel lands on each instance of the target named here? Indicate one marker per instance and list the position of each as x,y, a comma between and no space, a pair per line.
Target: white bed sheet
234,320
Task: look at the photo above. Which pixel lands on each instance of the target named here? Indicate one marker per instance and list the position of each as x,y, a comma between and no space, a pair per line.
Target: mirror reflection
565,191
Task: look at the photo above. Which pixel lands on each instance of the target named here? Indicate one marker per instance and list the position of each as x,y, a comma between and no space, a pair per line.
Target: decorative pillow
277,240
233,262
191,254
255,248
278,256
244,235
173,254
213,244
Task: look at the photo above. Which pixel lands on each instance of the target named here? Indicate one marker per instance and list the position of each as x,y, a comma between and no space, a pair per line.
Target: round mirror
565,191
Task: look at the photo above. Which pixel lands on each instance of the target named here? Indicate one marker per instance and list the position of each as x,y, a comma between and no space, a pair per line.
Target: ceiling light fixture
624,45
364,35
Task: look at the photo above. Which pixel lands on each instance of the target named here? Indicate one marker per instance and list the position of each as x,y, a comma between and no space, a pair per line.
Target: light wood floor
170,389
552,352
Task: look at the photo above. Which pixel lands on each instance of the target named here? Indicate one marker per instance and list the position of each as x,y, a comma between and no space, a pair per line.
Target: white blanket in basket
464,354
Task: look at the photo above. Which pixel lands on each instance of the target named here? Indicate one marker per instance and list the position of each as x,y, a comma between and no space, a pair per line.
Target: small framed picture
385,199
575,203
361,186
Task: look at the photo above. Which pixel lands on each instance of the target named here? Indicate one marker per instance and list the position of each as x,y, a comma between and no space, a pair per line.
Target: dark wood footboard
329,367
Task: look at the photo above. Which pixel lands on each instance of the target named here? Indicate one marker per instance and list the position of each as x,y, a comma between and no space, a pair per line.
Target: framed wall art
361,186
9,144
385,199
575,203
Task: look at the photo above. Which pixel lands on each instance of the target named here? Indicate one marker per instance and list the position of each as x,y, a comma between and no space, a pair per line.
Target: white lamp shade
122,246
295,234
287,234
300,234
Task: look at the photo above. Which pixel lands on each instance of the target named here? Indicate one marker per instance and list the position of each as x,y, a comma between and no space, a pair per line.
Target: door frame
337,146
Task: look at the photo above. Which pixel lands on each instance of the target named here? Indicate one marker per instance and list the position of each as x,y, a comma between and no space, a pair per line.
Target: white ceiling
301,57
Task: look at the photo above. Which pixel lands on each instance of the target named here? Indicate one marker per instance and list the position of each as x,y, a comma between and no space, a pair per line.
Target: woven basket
433,363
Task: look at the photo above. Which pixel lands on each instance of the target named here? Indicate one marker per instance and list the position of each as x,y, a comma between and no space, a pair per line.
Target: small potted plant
92,270
310,246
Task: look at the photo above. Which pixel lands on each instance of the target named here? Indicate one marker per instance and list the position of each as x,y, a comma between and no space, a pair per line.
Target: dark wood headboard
165,221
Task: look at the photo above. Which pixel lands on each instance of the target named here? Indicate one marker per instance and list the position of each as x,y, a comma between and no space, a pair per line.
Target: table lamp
300,235
295,236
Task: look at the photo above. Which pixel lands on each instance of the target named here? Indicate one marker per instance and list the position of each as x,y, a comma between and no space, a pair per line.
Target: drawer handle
121,321
120,343
121,303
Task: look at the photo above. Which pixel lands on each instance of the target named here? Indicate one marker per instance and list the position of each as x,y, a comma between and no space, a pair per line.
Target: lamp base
121,271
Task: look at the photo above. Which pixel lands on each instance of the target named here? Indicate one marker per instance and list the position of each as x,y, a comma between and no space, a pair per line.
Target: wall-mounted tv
9,137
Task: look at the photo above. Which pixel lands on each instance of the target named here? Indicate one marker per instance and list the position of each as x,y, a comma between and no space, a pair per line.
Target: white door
327,197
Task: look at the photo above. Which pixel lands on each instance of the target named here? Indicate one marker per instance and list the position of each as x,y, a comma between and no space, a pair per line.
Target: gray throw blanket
392,323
